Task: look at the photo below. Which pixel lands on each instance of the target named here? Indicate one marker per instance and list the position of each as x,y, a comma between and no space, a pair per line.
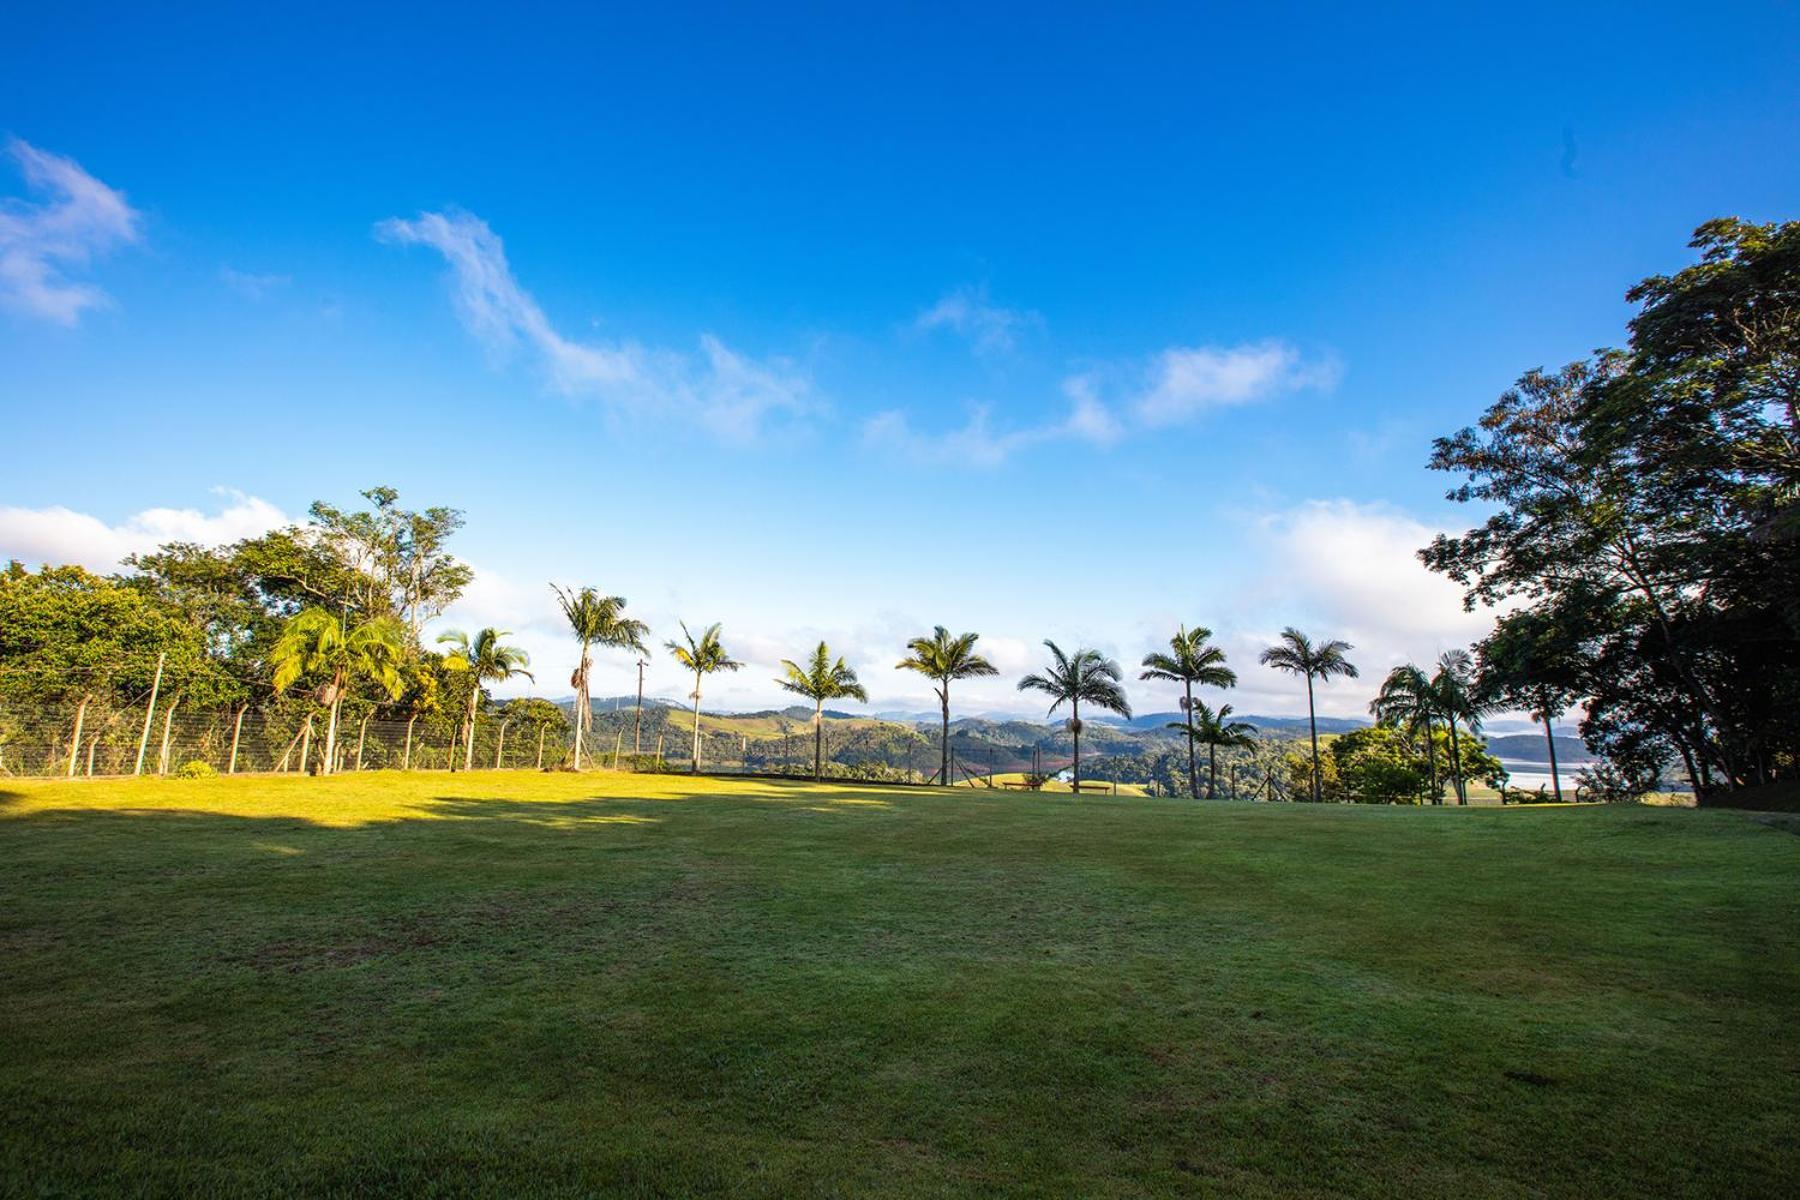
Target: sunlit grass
519,983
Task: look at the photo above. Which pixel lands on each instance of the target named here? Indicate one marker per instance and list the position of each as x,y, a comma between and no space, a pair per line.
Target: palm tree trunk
1550,742
944,746
1075,729
306,742
500,748
1212,771
582,706
1462,796
818,736
362,735
1312,722
696,766
1431,758
406,756
331,723
1193,770
469,728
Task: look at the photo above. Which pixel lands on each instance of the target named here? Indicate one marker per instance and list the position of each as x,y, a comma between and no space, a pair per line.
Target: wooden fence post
149,714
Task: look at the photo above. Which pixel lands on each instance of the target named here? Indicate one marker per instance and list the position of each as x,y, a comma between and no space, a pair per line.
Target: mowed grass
519,984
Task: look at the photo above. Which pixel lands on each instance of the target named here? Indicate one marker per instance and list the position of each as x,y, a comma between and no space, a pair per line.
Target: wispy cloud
250,284
988,328
732,394
74,220
1108,403
1185,381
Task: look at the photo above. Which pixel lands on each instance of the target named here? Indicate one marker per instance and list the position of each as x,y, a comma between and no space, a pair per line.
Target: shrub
195,769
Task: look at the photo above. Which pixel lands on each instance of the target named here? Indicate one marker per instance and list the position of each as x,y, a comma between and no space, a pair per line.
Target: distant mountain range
1278,724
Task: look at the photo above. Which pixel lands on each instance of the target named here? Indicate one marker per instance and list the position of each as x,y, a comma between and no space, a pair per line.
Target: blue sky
828,323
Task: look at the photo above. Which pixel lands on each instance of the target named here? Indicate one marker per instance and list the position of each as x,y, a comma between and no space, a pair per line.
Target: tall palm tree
942,658
1297,655
1192,659
820,680
485,659
702,655
595,620
1408,701
1215,729
1072,678
1454,690
316,642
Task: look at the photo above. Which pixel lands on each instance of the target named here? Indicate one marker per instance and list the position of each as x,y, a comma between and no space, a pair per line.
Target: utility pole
144,740
637,733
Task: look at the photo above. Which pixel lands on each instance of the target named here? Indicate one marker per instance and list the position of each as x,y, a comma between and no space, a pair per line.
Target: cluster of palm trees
319,644
1416,702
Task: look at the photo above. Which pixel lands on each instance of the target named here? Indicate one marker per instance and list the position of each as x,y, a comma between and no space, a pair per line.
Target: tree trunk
1212,771
1312,722
582,706
406,755
75,742
542,730
500,746
696,767
1075,731
1550,742
818,736
1431,758
362,735
469,733
162,754
1193,770
1462,796
944,746
328,764
237,733
306,742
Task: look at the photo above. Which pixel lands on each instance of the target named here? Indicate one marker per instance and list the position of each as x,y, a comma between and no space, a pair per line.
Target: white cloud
77,220
62,536
731,394
1351,571
988,328
1184,381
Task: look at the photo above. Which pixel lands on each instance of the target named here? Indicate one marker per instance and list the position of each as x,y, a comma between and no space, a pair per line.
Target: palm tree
1453,688
943,658
821,680
702,655
1215,729
1191,659
1408,701
315,642
595,620
1297,655
1084,675
485,659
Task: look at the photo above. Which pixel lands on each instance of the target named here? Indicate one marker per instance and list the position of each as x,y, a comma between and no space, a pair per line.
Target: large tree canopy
1647,519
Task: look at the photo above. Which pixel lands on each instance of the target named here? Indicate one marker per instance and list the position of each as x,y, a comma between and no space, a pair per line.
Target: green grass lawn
521,984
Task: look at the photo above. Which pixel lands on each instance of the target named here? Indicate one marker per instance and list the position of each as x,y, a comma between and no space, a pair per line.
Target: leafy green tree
1298,655
483,659
821,679
703,655
1192,660
315,644
1214,730
1083,676
595,620
536,718
942,659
